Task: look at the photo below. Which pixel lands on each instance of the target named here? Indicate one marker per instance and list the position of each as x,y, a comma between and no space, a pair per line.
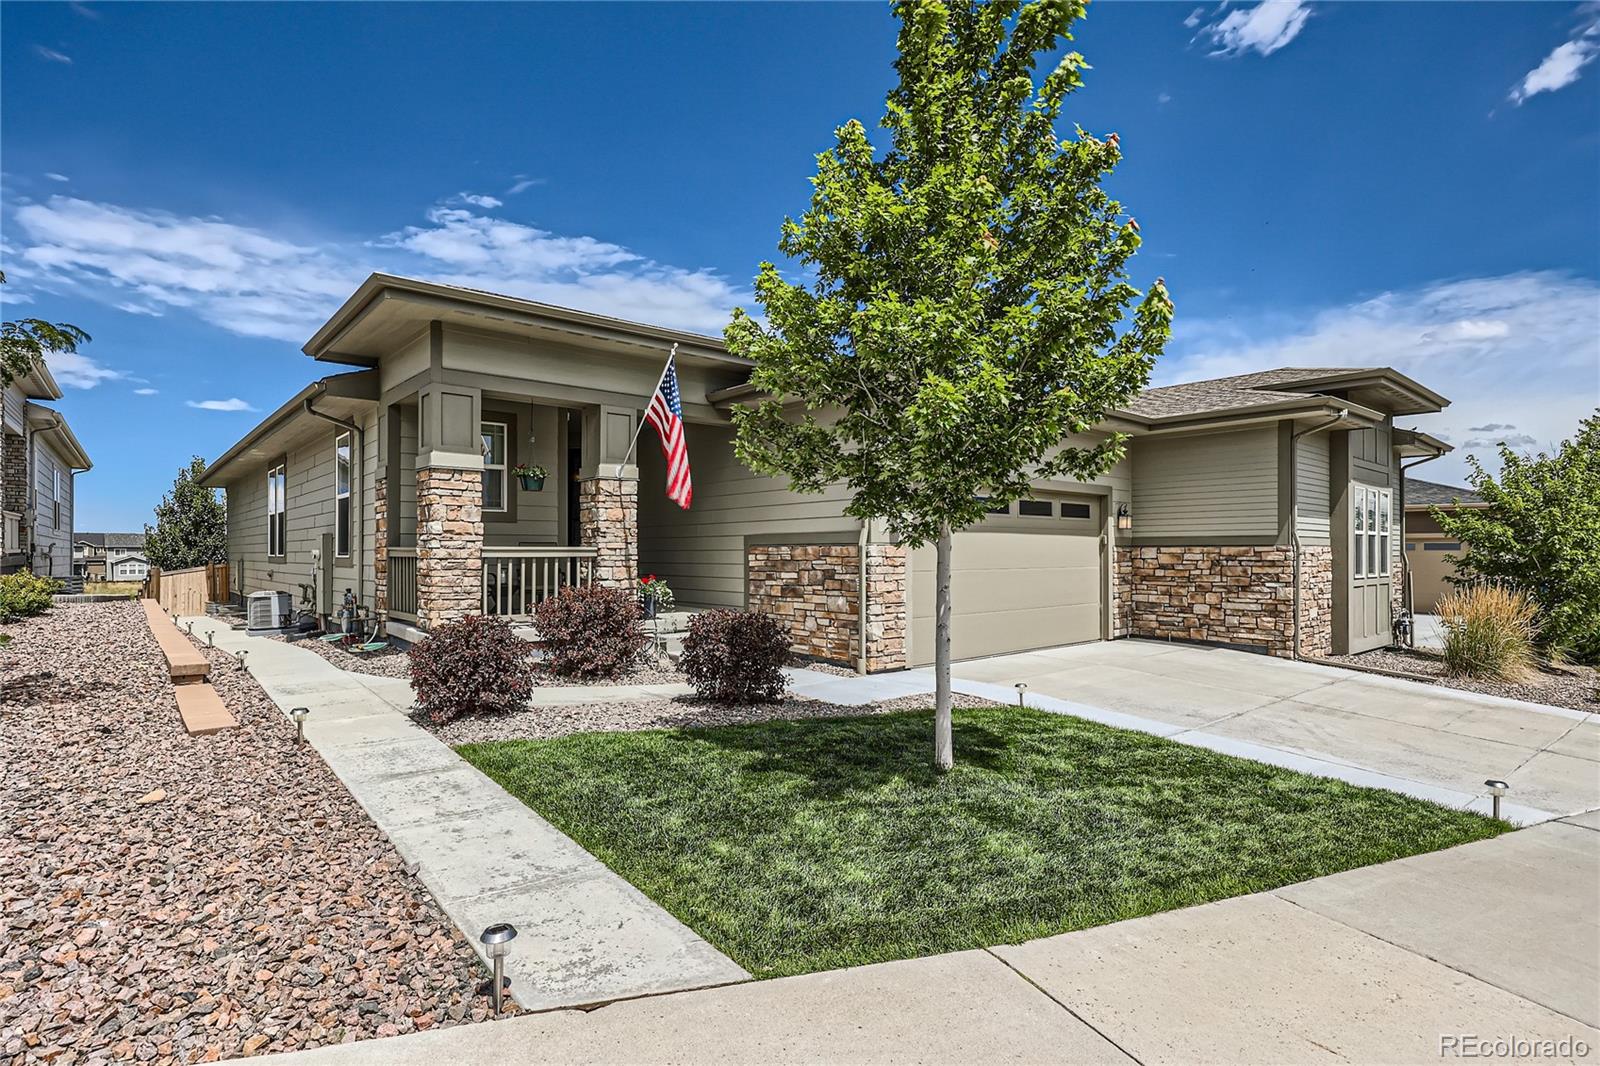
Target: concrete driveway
1425,740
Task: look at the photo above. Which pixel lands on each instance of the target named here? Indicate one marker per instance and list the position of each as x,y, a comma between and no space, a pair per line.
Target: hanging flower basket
531,478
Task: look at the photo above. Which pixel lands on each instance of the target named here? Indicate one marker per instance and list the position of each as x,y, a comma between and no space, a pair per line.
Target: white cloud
521,183
145,392
1515,352
53,176
79,371
1264,28
1566,61
255,283
1195,17
1163,98
488,203
51,55
232,404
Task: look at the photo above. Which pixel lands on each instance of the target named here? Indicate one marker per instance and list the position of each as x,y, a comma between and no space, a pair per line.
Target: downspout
861,600
1294,512
358,480
1405,562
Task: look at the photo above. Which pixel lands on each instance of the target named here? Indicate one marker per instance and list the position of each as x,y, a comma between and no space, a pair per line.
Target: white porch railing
515,580
403,584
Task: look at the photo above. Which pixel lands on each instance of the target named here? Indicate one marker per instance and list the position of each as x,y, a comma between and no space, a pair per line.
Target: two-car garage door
1032,577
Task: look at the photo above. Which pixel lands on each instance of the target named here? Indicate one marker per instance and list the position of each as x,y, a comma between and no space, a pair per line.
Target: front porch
513,580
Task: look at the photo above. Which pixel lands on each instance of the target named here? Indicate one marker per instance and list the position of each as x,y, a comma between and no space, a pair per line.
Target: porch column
608,495
449,504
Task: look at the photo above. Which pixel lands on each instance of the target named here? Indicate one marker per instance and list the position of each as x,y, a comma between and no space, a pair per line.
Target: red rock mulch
168,898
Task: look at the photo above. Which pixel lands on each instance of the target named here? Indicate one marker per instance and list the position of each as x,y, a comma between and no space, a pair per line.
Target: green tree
968,312
25,342
191,524
1540,533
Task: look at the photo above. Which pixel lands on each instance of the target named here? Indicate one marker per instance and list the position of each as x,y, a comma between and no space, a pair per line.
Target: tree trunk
943,746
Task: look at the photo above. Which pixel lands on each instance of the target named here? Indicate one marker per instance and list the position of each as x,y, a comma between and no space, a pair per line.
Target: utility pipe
1294,512
358,487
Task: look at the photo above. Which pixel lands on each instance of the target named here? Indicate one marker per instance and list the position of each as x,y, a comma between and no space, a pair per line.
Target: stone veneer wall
1122,593
380,544
1231,595
449,544
815,588
608,520
1316,600
13,472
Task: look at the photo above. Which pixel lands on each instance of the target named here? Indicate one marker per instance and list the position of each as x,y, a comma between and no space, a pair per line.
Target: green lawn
801,846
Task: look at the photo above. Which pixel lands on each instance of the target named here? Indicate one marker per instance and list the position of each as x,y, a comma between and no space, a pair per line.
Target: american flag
666,414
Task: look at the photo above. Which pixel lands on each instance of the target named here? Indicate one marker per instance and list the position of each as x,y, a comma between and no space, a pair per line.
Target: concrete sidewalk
585,935
1498,938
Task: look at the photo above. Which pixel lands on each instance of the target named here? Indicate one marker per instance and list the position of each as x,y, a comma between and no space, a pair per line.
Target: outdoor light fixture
1022,689
496,941
299,716
210,638
242,665
1124,517
189,629
1497,789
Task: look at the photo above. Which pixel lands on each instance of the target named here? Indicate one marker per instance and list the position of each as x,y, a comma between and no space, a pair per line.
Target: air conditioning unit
268,610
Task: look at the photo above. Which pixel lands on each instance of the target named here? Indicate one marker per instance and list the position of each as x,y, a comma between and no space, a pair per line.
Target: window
1358,511
1411,545
277,508
1441,546
1035,508
1076,510
341,496
55,494
1371,512
998,509
494,466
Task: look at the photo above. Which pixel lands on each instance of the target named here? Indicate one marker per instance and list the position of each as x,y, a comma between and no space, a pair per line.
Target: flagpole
628,555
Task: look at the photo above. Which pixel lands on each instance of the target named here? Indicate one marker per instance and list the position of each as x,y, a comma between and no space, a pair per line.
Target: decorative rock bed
169,898
1577,688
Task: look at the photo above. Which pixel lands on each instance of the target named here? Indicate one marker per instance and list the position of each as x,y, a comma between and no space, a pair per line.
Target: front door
1371,567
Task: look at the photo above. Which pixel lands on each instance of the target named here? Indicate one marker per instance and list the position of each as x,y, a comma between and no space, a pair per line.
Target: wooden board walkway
201,709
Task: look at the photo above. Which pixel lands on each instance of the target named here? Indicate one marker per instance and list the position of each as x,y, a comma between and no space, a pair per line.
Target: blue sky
199,186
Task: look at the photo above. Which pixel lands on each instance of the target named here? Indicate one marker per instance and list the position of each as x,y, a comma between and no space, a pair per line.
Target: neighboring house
1428,550
124,565
89,552
394,480
39,457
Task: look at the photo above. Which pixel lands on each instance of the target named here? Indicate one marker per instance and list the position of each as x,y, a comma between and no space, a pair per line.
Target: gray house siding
1216,488
52,525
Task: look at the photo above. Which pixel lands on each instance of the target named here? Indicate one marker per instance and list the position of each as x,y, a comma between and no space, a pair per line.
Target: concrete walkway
1493,939
585,935
1427,741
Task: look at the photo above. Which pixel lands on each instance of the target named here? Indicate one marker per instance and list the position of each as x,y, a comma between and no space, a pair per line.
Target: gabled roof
1378,387
1420,493
52,425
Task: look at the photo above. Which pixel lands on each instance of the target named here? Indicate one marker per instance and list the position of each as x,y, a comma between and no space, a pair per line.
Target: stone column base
814,589
608,521
1225,595
380,545
449,544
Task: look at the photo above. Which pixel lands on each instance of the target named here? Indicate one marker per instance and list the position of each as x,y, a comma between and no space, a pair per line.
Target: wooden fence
188,591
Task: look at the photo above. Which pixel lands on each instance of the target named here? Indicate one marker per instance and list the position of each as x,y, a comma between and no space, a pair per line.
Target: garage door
1029,578
1426,557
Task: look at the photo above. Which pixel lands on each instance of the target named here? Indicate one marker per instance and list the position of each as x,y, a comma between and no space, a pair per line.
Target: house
39,458
1258,511
90,550
125,565
1428,550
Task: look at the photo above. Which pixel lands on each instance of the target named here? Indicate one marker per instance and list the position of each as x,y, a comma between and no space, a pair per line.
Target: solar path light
1497,789
299,715
496,941
1022,691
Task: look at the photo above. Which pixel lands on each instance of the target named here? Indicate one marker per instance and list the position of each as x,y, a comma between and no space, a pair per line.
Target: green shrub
475,664
735,656
1489,632
22,595
591,632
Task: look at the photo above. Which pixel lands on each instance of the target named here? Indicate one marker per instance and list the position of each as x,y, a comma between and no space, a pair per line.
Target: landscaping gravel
169,898
1576,690
682,712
